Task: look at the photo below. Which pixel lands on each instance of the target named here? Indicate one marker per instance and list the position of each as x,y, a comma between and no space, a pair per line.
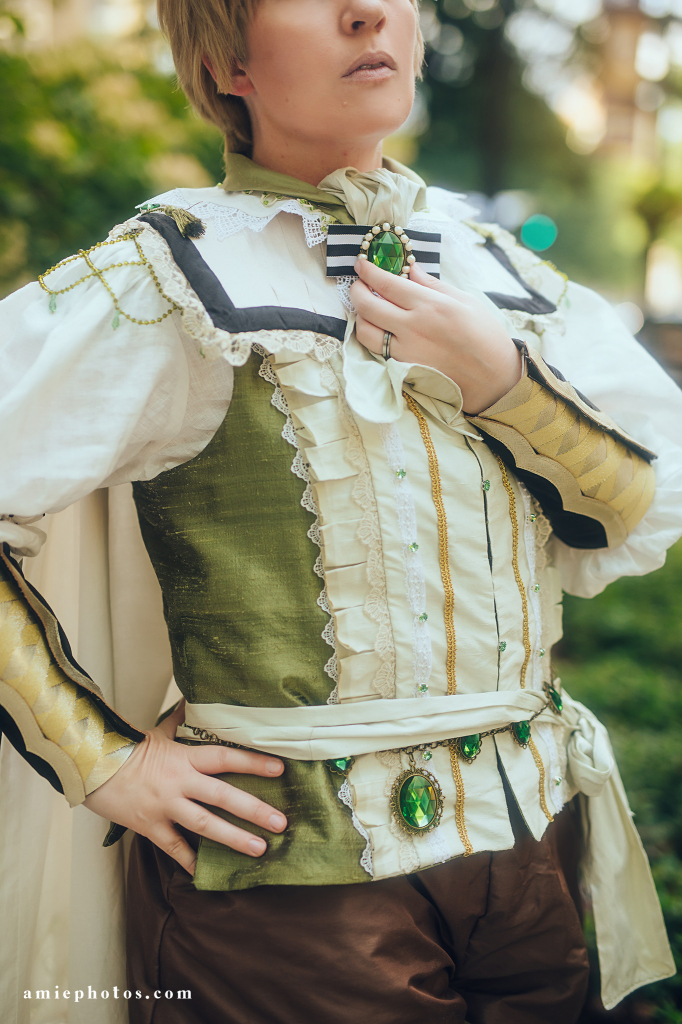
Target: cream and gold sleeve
594,481
50,710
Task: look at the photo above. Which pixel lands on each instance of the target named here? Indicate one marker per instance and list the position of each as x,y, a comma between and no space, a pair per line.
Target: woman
361,511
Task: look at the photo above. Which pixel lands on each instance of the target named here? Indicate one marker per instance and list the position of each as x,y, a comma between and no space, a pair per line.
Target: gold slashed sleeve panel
60,721
551,431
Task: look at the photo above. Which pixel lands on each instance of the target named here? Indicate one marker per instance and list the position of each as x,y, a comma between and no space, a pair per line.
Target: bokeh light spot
539,232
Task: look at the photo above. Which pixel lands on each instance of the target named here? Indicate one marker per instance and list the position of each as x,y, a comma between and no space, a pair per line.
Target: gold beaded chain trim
515,566
541,772
84,254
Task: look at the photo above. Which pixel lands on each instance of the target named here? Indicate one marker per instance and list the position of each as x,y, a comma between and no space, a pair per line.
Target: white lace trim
299,468
343,288
229,221
415,581
213,342
369,533
346,797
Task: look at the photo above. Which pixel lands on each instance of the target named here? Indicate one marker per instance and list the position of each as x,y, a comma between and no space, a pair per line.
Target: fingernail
257,847
277,822
274,767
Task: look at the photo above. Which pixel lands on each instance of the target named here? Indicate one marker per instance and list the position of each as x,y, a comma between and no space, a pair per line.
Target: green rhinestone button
532,517
414,546
521,733
423,617
386,251
426,755
536,588
401,473
340,765
486,485
470,746
502,646
423,688
418,801
541,652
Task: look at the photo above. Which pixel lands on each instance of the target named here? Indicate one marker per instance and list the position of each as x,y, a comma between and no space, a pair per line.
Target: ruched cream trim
214,342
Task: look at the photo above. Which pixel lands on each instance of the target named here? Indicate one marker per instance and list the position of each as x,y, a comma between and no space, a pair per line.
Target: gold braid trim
443,550
65,712
541,771
444,560
459,807
515,565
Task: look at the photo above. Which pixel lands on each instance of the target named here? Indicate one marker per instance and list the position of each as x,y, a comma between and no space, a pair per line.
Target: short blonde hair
217,29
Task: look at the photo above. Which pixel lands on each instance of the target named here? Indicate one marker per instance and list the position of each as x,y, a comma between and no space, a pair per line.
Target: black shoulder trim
222,311
537,304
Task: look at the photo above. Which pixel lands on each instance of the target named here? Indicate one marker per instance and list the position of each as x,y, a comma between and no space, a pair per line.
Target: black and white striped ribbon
344,242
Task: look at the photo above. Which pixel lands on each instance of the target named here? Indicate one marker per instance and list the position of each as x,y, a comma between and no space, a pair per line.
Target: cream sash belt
631,938
326,731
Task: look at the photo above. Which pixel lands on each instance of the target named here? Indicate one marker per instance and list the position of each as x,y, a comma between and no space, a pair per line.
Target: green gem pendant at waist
521,733
468,747
417,801
340,765
555,697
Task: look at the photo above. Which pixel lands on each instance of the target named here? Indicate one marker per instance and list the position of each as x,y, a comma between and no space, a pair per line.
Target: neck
310,160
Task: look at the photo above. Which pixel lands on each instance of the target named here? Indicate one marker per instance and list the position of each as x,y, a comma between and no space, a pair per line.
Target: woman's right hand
164,783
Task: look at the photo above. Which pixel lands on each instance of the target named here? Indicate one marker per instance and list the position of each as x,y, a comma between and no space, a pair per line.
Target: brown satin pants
490,939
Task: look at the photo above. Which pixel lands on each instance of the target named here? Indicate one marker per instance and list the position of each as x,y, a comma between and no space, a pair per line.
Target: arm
595,483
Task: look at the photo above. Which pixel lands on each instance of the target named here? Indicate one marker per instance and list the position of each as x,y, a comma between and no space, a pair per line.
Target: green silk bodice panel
227,536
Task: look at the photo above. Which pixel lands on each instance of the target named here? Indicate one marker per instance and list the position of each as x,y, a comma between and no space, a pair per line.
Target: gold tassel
188,225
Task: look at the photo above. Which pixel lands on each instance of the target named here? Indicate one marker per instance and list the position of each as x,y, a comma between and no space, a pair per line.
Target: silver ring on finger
386,351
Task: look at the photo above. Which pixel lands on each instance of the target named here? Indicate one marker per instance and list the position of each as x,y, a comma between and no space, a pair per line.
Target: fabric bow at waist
326,731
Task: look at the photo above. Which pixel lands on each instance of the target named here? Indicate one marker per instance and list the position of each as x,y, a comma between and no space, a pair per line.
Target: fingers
214,760
203,822
398,291
238,802
370,336
172,843
377,310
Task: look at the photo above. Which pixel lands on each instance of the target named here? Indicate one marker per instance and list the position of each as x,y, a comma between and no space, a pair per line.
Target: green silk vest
227,536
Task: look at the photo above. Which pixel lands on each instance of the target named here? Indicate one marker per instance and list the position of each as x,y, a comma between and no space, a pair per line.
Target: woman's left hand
437,325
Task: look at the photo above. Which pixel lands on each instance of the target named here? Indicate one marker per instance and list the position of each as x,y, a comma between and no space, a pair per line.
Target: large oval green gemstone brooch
388,247
417,800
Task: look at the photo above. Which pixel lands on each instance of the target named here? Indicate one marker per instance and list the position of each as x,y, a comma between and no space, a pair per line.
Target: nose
360,16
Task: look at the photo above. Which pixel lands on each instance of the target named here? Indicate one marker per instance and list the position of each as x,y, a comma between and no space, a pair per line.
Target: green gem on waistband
340,765
469,747
555,697
521,733
386,251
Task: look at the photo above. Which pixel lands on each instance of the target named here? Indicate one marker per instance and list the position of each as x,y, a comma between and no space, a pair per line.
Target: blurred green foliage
622,656
85,137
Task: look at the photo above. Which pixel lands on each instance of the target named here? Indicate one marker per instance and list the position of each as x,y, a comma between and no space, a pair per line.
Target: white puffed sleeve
602,360
86,404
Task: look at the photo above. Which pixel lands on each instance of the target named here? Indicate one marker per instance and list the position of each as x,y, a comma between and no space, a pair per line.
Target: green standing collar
243,175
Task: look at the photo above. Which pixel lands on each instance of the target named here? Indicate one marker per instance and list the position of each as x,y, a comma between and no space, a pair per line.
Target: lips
371,61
